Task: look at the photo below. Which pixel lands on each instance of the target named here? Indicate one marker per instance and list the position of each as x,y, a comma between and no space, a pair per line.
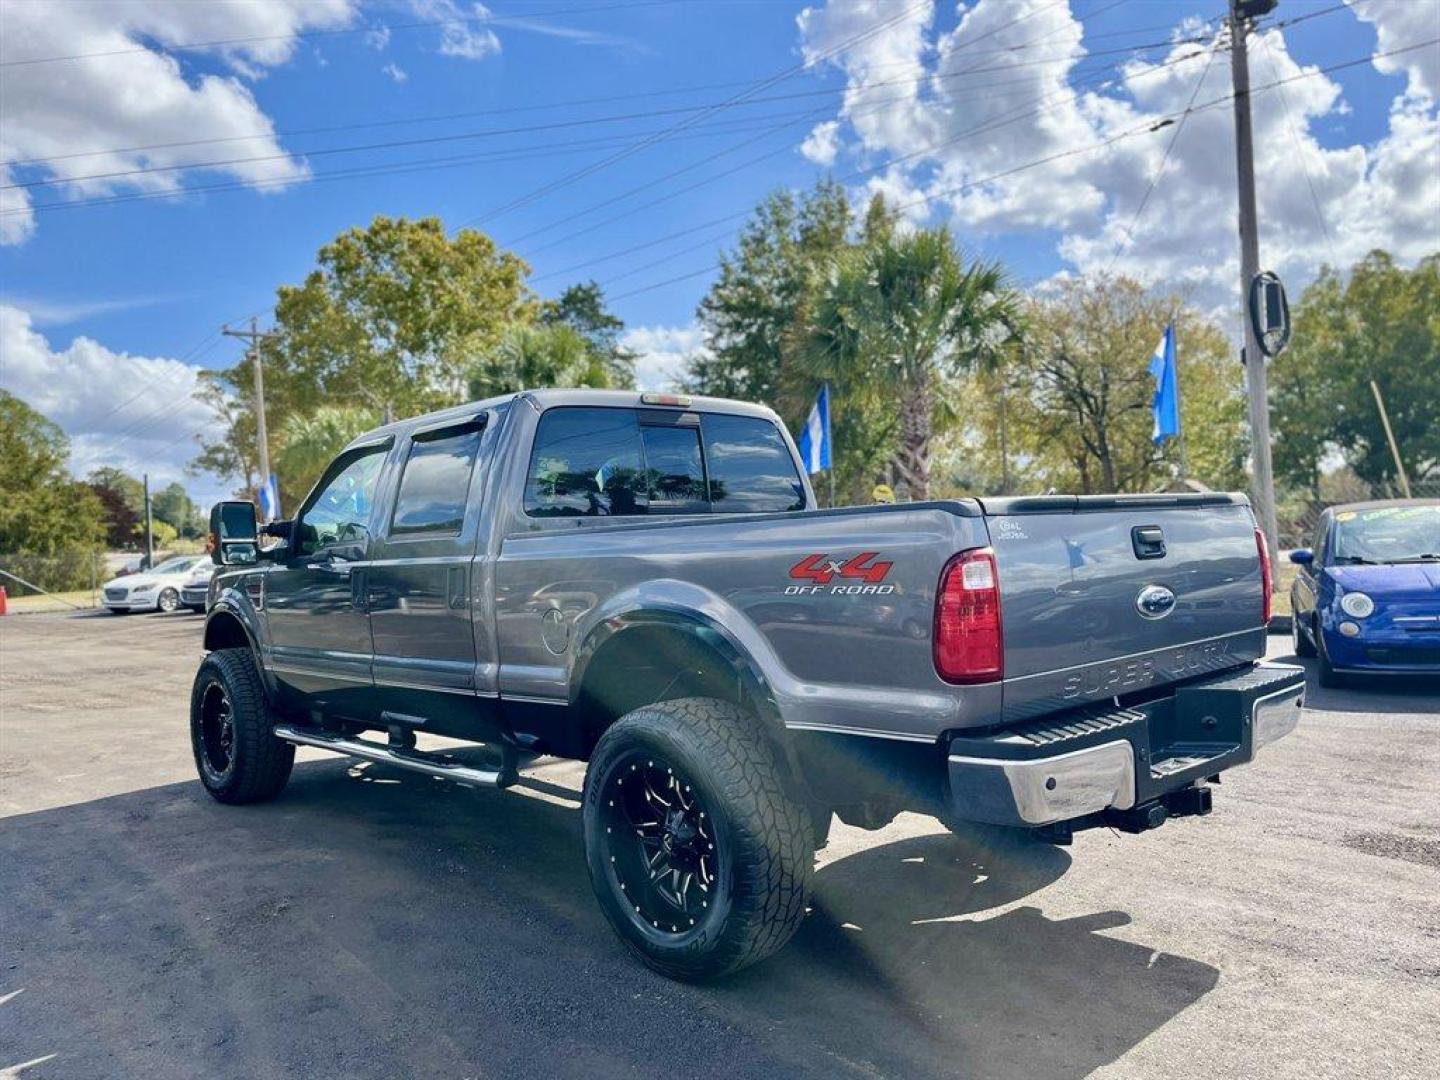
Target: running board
421,761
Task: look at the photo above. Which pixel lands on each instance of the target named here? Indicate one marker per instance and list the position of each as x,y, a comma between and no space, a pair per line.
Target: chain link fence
48,582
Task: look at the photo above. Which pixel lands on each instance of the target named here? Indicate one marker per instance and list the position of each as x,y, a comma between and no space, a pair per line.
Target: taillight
1267,578
968,646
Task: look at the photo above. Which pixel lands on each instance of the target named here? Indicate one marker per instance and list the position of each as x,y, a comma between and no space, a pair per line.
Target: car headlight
1357,605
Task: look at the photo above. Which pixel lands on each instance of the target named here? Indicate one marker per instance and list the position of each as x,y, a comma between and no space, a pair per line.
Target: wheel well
646,664
224,631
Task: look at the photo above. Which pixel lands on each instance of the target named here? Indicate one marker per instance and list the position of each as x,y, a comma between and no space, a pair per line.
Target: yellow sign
882,494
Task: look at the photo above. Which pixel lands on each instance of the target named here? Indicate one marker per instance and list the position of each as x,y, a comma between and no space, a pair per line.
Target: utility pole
149,528
1241,13
262,442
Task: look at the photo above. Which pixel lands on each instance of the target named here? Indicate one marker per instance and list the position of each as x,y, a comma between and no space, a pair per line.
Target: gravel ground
371,923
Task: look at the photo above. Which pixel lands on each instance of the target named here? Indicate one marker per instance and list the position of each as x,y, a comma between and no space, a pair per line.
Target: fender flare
689,622
708,630
229,607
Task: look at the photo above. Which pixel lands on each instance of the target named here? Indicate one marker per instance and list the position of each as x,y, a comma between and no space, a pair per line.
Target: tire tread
262,762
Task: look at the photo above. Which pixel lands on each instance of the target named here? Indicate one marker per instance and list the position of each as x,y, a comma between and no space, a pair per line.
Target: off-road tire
764,834
1303,645
258,764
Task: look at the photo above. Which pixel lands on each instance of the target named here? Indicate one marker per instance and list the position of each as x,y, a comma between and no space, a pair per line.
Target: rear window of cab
606,462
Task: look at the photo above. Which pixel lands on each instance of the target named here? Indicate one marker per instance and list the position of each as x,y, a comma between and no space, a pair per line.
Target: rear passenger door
421,584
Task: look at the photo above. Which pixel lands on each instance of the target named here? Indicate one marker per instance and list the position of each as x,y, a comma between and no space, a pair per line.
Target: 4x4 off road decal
865,572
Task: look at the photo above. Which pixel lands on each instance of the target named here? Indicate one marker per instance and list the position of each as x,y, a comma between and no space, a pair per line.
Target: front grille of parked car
115,594
1404,657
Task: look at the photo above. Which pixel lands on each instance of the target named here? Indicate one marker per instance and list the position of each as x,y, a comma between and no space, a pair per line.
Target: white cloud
135,412
822,143
132,93
395,72
1400,25
462,33
663,353
965,144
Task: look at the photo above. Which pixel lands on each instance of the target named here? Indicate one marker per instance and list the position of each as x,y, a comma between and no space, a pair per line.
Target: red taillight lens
968,646
1267,578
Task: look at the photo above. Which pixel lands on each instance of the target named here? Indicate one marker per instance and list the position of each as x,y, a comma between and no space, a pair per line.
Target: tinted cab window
751,470
435,482
593,462
339,514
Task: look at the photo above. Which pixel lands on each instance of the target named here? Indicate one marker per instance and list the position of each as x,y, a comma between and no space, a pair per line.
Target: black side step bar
421,761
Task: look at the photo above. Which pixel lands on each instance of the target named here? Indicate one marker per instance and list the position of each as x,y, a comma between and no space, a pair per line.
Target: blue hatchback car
1367,598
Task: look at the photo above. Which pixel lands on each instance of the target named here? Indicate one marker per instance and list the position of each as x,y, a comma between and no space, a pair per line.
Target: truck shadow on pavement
374,923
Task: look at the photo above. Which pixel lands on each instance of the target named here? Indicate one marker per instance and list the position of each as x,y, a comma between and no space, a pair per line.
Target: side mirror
234,534
1302,557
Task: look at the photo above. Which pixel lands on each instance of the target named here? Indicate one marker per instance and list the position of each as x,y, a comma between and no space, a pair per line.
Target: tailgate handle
1148,542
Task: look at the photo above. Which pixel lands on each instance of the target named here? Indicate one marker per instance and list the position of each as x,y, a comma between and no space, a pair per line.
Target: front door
422,587
320,647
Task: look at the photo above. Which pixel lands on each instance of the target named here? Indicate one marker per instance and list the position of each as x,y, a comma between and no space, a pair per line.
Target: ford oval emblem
1155,602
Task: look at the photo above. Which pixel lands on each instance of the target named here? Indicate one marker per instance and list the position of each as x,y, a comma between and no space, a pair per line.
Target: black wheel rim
663,844
217,730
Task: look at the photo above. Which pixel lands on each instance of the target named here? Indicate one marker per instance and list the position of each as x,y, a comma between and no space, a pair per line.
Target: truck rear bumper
1113,760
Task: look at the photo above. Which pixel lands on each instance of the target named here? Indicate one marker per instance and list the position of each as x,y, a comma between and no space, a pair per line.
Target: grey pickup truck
644,582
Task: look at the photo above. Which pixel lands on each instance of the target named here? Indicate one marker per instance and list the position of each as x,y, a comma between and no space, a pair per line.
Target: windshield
1388,534
175,566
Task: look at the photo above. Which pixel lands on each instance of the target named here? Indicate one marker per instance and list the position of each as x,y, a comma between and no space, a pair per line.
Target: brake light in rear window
968,646
1267,578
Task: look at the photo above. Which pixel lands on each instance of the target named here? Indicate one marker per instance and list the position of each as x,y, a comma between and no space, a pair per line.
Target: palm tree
531,357
310,441
898,316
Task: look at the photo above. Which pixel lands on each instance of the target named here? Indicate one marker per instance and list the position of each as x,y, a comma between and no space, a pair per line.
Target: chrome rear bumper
1122,757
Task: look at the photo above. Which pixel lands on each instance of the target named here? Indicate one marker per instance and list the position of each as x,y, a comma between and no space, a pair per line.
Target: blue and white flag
815,436
270,499
1167,388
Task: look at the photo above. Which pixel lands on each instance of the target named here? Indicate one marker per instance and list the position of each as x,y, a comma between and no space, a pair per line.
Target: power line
570,104
1150,126
1301,153
508,153
763,84
521,153
991,125
650,184
870,105
220,163
483,20
1164,160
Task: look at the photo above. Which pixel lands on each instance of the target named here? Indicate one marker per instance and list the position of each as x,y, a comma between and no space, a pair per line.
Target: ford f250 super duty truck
644,582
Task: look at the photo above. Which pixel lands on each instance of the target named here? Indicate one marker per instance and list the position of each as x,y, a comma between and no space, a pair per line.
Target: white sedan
152,590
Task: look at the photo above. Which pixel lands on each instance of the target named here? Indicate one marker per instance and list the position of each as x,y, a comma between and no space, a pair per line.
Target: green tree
310,441
123,499
391,319
896,319
173,505
1080,403
50,524
1383,323
582,309
534,357
750,314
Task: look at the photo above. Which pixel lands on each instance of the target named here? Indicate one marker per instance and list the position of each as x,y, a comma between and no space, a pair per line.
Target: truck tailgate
1107,595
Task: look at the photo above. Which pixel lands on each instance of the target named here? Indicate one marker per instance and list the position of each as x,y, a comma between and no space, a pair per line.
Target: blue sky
108,302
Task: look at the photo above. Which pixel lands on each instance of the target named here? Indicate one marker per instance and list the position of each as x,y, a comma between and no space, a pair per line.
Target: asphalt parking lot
372,923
